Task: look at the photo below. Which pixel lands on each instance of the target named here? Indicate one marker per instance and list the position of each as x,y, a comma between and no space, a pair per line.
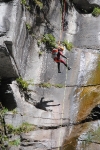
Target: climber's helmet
60,48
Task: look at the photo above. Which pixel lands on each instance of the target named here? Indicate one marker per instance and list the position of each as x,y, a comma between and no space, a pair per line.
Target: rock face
72,95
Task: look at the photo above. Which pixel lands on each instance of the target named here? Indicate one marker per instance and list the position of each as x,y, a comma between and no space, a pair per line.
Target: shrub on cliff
23,83
96,12
68,45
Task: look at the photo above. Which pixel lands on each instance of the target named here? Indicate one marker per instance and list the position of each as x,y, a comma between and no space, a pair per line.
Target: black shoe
59,71
69,68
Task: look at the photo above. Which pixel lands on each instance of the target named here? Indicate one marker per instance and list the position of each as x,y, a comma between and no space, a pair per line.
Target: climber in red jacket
56,53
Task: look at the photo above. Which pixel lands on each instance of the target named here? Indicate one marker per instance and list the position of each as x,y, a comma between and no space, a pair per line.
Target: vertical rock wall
67,103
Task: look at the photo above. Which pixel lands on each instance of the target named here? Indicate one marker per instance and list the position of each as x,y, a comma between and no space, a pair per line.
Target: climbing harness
55,51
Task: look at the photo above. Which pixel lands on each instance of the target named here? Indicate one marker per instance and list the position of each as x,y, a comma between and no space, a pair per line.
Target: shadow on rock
43,104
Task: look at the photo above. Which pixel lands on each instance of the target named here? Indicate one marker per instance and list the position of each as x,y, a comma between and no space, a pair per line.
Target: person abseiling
56,55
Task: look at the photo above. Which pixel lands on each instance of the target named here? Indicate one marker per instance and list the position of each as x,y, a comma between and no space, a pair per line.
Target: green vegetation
14,111
47,85
39,43
28,26
91,137
23,2
3,139
88,138
24,84
40,53
39,3
67,44
35,2
59,85
5,130
28,7
96,12
24,128
3,111
15,142
48,40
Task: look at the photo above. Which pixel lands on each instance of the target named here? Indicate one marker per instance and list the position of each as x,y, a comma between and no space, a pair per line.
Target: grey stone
45,118
49,138
13,119
19,56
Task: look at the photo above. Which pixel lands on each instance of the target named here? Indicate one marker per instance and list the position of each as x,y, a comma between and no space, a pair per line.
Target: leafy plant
92,136
89,137
59,85
67,44
39,43
49,40
3,111
3,139
28,26
28,7
24,128
96,12
11,129
24,84
15,142
47,85
39,3
14,111
23,2
40,53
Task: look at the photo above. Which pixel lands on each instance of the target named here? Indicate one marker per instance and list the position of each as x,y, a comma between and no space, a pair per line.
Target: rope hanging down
63,5
62,29
63,108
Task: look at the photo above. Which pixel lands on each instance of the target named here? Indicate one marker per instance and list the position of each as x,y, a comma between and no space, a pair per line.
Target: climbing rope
62,22
63,108
61,30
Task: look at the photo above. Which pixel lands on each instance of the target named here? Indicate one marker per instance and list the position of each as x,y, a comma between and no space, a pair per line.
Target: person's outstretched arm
62,55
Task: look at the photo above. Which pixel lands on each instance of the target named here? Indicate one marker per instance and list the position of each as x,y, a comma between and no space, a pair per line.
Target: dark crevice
6,1
6,96
83,6
78,86
94,115
57,126
8,45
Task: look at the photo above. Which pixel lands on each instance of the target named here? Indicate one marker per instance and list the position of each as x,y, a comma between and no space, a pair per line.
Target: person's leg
59,67
62,61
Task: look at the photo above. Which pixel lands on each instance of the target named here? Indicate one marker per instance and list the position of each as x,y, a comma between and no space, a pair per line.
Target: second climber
56,53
